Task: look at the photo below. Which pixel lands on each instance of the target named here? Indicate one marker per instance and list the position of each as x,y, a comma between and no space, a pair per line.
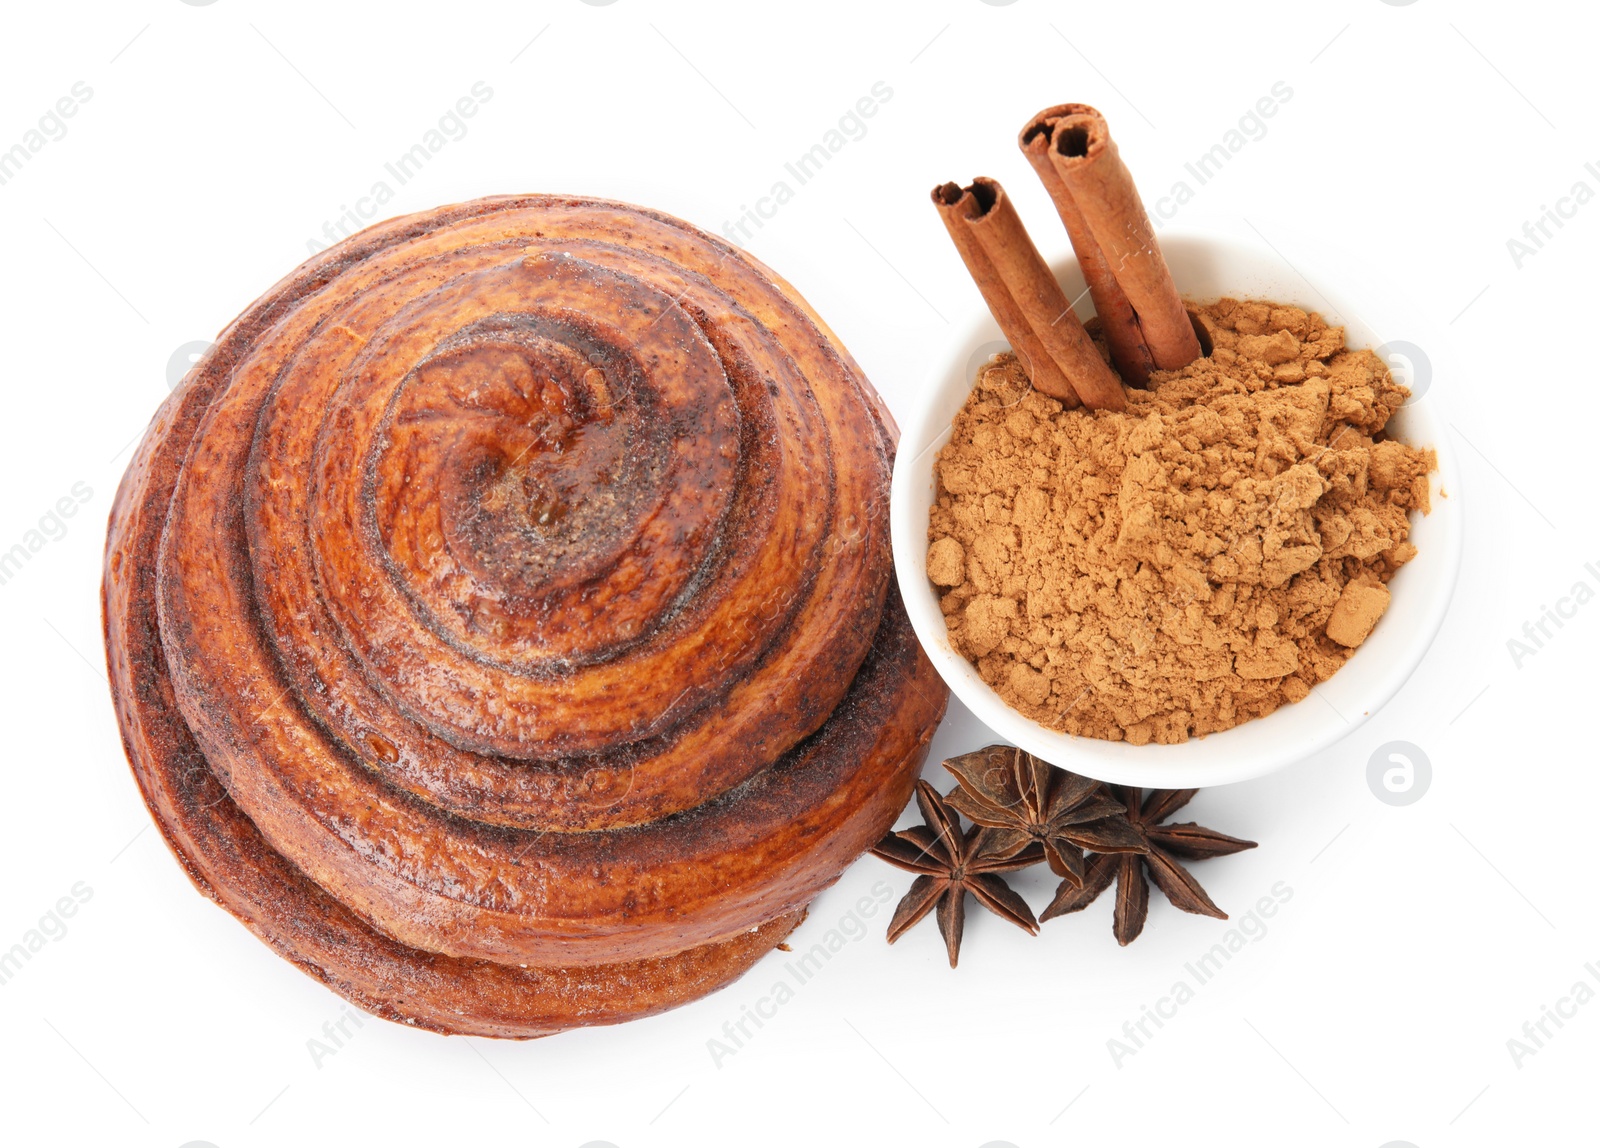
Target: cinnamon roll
500,618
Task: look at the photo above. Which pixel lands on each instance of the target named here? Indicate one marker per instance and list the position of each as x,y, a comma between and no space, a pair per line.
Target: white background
1419,138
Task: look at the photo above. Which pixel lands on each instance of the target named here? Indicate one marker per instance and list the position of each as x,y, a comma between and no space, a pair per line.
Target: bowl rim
1253,748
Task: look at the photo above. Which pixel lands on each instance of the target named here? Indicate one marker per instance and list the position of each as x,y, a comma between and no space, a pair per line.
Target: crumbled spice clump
1192,562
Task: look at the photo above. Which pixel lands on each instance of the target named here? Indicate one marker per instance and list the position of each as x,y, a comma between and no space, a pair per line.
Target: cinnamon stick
1129,354
1095,186
1024,296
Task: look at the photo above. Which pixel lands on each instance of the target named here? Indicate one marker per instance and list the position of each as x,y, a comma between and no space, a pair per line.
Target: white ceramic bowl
1206,267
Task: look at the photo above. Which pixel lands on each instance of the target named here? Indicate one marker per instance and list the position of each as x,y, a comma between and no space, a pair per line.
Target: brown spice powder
1192,562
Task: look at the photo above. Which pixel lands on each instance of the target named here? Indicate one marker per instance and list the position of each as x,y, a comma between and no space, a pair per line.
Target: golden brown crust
414,732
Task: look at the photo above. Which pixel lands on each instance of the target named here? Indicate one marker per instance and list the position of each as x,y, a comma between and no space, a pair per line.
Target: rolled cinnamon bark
1129,354
1085,157
1024,297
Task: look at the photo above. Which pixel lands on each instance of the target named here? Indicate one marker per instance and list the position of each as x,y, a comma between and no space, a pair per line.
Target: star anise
1166,843
1025,800
950,865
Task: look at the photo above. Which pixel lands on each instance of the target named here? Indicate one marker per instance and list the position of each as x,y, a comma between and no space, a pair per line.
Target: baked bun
500,616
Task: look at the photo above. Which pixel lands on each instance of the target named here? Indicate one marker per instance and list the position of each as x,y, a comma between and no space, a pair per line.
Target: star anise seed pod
950,865
1024,799
1167,843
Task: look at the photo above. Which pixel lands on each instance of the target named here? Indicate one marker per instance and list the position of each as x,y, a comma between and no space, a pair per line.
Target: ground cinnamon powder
1192,562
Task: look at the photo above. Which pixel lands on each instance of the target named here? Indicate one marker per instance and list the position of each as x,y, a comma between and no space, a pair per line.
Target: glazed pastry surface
500,616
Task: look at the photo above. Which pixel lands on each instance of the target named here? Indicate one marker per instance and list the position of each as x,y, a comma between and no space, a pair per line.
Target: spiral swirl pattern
500,619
